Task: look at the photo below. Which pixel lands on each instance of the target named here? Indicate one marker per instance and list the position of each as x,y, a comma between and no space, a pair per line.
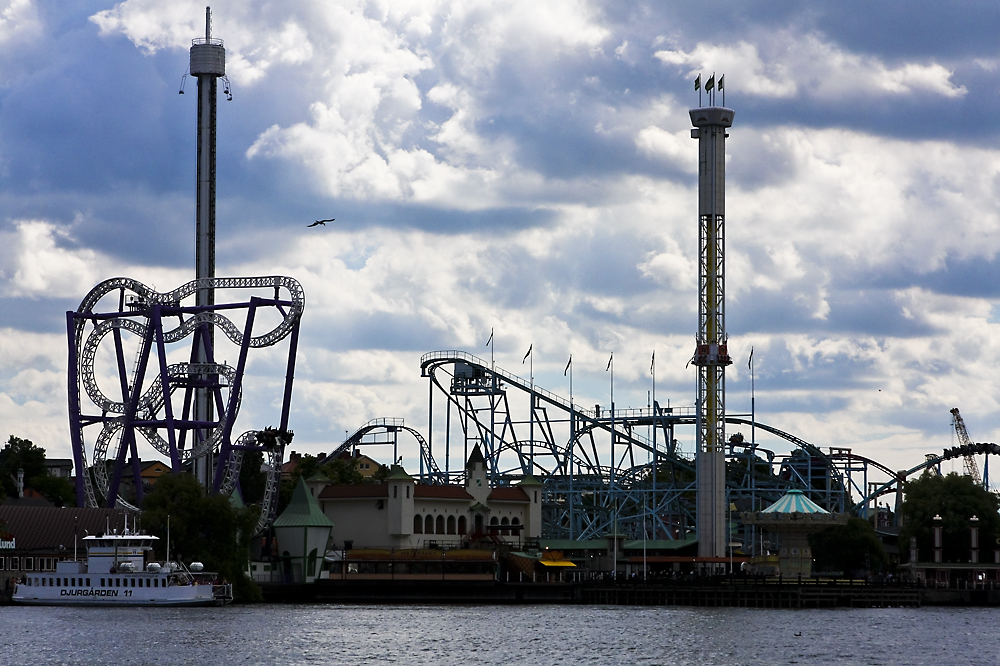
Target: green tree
956,498
24,455
340,471
852,548
203,527
253,481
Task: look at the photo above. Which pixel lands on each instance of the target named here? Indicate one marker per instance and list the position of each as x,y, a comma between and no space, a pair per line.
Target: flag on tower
750,360
697,82
568,363
722,82
609,362
710,83
652,362
528,354
491,338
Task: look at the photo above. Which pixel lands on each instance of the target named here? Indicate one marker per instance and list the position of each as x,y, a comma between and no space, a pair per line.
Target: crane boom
971,468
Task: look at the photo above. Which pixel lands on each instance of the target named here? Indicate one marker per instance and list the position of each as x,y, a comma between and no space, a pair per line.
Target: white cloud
787,65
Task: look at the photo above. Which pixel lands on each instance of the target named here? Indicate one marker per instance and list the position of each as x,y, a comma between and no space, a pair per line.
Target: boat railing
223,593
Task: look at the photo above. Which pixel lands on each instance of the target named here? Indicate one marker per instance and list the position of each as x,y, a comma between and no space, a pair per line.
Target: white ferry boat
116,573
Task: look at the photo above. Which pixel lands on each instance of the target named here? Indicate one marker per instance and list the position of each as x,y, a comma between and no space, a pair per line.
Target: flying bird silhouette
319,222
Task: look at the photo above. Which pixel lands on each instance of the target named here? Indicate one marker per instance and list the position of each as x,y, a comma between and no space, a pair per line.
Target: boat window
156,582
58,582
1,563
88,582
118,582
147,582
102,582
133,582
72,581
29,563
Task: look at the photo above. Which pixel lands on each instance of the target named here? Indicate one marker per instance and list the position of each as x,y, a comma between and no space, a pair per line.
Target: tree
22,454
956,498
340,471
852,548
203,527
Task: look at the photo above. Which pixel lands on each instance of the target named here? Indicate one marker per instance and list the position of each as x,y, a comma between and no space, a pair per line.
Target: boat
118,572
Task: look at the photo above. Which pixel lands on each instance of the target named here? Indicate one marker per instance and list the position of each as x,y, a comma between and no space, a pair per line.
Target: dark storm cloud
36,315
863,312
960,276
389,331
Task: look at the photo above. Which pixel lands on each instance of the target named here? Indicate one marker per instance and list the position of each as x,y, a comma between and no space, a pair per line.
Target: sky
526,168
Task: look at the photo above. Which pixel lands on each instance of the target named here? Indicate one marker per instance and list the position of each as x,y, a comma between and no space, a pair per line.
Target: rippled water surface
332,634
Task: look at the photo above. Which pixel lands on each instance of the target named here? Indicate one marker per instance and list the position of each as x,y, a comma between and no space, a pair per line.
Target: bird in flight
320,222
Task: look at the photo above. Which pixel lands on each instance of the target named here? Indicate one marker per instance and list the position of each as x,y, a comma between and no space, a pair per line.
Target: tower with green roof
302,531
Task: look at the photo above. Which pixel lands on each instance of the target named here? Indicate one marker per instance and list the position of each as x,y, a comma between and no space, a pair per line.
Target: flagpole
493,409
656,455
753,458
572,441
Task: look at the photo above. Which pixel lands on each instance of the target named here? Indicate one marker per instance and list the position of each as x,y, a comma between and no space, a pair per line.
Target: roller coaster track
142,312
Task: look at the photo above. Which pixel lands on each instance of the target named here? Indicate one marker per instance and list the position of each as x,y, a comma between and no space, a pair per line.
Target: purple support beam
75,426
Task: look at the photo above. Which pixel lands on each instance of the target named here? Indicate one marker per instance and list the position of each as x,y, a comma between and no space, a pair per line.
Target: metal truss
597,465
150,394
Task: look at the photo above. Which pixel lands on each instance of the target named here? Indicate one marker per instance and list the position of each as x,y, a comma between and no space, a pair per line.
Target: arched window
494,521
429,525
439,525
463,525
504,521
515,521
418,524
451,524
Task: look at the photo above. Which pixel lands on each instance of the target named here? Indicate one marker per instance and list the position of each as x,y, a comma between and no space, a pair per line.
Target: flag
750,360
722,82
652,362
697,82
609,362
710,83
491,338
528,354
568,363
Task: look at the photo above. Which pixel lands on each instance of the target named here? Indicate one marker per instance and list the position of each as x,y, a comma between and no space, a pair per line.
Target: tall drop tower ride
208,64
711,354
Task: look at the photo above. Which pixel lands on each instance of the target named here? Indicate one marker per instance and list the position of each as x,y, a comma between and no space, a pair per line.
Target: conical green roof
303,510
795,502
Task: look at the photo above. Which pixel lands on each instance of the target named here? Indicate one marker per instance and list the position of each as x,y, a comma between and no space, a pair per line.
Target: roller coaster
121,359
617,470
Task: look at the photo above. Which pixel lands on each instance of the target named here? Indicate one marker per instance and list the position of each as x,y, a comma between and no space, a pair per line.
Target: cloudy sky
527,167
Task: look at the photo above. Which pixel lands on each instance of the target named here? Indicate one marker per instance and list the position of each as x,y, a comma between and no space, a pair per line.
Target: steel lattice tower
208,64
711,355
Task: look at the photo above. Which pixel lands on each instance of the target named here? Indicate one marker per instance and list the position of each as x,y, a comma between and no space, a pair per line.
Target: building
34,538
790,521
400,513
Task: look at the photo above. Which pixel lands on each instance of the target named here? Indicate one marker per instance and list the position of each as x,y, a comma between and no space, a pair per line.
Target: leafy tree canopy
23,454
207,528
852,548
956,498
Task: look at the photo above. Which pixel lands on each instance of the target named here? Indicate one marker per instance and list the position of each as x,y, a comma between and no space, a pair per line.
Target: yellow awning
556,563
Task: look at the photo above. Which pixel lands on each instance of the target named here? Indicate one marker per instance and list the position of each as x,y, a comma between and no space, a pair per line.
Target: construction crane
971,468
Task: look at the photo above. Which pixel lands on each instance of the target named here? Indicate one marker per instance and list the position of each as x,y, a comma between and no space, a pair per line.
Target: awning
556,563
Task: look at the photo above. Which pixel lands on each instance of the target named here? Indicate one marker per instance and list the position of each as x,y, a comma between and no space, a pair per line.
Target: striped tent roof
795,502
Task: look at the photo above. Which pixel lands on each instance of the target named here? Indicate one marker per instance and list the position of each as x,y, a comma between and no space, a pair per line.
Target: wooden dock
753,593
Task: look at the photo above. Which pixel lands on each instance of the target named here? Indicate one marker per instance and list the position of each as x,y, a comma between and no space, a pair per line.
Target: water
509,635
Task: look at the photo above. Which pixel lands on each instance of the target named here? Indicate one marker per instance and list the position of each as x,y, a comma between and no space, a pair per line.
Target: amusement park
167,372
